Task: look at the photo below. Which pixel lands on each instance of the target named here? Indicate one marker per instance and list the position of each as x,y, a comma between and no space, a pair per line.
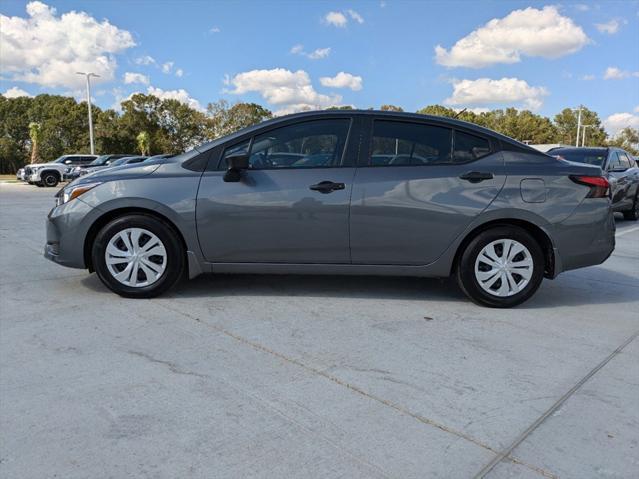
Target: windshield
118,162
60,160
100,160
581,155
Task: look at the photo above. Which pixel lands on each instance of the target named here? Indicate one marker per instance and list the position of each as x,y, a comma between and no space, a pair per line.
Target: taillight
599,186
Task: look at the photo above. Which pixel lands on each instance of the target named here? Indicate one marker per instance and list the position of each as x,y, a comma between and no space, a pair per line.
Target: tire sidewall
175,255
466,267
49,175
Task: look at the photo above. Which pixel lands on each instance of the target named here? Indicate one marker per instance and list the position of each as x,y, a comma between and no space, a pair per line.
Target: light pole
583,135
88,76
578,124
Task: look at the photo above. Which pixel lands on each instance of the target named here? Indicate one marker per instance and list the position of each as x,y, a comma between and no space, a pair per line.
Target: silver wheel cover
504,267
135,257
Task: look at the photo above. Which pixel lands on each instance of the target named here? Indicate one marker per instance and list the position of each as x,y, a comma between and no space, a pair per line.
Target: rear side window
469,147
397,143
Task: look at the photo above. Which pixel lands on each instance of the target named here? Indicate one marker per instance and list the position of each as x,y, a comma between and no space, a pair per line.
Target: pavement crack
174,368
506,453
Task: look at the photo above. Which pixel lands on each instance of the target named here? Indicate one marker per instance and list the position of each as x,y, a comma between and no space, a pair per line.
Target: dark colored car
619,167
340,192
102,161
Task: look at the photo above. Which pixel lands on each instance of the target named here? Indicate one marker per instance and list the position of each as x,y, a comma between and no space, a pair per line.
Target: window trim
255,134
371,129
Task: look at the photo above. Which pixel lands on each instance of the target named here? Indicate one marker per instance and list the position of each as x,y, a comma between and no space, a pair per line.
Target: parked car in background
127,160
386,193
50,174
102,161
619,168
159,157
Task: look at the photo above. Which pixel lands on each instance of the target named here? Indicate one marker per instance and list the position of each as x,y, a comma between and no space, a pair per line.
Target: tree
144,142
225,119
628,139
34,135
391,108
566,123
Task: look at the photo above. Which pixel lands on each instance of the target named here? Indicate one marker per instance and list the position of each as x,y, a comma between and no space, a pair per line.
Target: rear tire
632,214
138,256
501,267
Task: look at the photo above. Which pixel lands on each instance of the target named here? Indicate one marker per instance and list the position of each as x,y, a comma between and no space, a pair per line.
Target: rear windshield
589,157
100,160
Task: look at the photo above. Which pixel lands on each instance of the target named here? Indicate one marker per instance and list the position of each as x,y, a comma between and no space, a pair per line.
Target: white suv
50,174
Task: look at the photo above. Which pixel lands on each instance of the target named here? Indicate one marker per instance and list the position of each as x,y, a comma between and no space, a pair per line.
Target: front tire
501,267
50,180
138,256
633,213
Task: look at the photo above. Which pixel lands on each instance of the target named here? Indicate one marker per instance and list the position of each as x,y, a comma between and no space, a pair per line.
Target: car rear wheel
501,267
633,213
138,256
50,179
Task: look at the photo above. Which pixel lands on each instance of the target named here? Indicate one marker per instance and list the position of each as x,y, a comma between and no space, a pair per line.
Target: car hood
116,173
43,164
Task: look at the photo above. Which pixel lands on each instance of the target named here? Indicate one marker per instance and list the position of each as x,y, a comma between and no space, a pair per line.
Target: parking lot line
508,451
625,232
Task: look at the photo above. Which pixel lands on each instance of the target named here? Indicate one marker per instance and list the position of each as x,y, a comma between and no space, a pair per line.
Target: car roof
368,113
581,148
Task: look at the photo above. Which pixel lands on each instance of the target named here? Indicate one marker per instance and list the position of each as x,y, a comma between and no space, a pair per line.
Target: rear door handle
476,176
327,186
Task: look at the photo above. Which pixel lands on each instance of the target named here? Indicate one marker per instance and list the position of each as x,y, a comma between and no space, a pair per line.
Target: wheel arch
108,216
534,230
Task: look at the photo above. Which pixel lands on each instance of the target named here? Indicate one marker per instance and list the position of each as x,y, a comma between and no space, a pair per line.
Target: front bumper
67,226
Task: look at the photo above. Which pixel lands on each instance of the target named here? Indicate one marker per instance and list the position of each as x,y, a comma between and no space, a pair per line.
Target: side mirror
236,162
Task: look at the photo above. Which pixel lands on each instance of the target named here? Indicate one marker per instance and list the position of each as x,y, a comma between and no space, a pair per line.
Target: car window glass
311,144
625,161
615,161
238,148
469,147
397,143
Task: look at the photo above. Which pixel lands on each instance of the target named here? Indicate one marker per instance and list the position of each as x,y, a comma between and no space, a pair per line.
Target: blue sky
287,55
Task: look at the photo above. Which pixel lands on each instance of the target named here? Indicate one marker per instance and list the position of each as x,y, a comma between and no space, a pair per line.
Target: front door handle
476,176
327,186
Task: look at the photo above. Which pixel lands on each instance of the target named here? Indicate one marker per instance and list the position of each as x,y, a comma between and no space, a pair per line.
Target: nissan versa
340,192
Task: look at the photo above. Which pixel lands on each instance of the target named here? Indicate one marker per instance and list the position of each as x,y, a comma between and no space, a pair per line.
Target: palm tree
34,134
144,143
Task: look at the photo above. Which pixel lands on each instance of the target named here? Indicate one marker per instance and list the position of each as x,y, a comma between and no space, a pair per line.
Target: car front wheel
138,256
50,179
501,267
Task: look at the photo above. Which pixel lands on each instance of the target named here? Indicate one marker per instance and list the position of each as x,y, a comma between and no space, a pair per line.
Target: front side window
404,144
311,144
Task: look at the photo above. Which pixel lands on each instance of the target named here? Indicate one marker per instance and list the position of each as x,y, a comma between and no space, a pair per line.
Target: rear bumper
586,237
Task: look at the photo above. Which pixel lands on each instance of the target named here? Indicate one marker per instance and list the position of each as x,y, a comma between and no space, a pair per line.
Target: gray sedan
340,192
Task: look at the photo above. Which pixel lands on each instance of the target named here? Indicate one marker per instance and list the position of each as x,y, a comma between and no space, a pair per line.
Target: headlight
73,191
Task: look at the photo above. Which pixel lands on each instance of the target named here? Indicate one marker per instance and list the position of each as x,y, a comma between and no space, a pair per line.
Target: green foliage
566,123
34,136
628,139
144,142
391,108
225,119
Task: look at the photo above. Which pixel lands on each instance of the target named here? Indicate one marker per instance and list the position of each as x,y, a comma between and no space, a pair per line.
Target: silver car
340,192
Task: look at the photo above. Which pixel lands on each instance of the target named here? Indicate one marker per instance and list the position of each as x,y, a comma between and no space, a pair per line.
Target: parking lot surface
299,376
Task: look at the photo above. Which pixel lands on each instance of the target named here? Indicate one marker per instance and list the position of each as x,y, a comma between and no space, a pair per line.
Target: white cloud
215,30
637,109
292,91
167,67
179,73
610,27
343,80
136,78
337,19
531,32
588,77
145,60
618,121
355,16
15,92
48,50
486,91
316,54
180,95
319,53
614,73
